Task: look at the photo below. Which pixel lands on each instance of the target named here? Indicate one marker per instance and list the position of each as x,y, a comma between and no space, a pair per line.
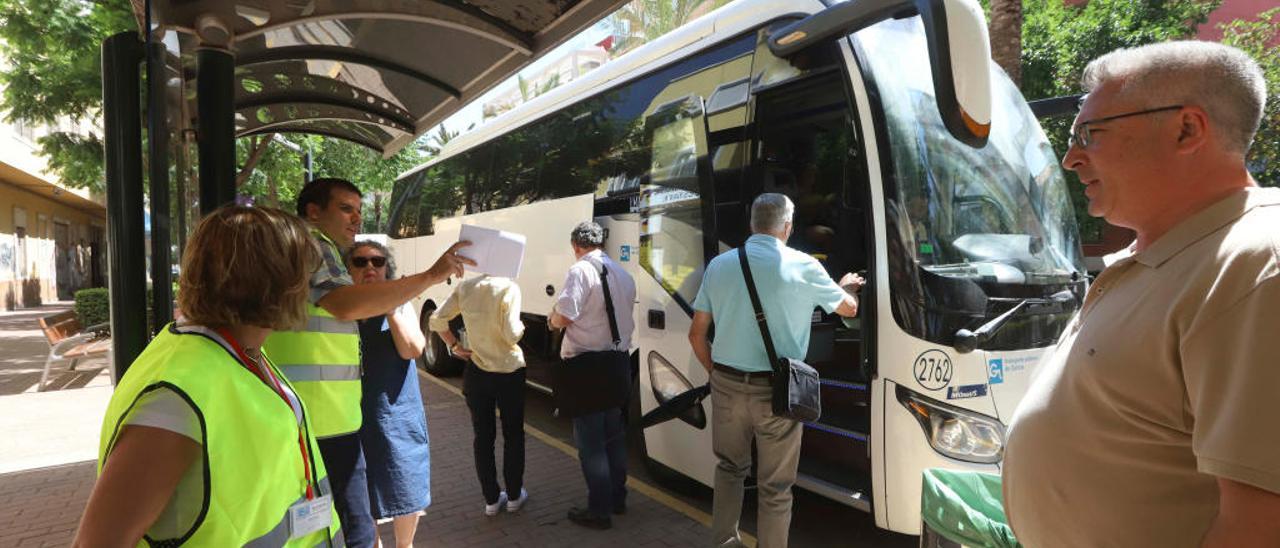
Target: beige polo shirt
1167,379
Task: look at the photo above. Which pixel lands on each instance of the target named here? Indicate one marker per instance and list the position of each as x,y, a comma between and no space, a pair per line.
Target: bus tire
435,357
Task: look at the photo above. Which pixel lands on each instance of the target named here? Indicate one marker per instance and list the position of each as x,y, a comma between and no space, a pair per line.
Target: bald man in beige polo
1155,420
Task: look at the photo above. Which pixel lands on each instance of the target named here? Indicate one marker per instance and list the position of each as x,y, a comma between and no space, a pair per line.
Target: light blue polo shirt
790,283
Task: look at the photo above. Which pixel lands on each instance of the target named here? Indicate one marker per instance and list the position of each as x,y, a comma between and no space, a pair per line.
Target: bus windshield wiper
968,341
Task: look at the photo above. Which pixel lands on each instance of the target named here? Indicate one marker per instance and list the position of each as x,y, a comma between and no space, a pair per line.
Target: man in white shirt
581,311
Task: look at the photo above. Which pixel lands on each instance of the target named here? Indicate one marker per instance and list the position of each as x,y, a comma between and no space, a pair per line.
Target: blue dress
394,433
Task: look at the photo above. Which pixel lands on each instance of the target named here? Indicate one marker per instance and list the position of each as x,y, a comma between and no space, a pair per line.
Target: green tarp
966,507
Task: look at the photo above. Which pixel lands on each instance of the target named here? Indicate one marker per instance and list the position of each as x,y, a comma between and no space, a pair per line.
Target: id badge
309,516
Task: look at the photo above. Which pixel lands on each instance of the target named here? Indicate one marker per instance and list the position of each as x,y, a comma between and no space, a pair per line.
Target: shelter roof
376,72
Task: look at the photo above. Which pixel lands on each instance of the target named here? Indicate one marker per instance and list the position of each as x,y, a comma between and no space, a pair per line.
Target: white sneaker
492,509
514,505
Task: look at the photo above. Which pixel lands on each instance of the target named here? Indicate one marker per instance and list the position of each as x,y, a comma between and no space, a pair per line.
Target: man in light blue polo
790,283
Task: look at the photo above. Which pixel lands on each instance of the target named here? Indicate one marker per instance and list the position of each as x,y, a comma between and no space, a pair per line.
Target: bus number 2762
933,370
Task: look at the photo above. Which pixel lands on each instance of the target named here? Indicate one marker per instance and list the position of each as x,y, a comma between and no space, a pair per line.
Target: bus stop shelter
375,72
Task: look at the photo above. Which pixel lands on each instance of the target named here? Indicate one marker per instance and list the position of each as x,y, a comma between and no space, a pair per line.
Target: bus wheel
435,356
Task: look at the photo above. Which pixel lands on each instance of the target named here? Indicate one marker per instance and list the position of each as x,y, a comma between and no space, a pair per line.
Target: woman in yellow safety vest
204,442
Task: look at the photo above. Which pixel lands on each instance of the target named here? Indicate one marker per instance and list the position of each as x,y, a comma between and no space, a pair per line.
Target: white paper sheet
496,252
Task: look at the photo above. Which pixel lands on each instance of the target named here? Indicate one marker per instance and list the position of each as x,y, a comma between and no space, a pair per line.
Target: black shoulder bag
594,381
797,390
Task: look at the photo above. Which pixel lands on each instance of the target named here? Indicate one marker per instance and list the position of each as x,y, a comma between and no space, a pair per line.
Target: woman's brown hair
248,266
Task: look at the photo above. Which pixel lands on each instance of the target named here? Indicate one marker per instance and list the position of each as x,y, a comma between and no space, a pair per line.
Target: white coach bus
910,157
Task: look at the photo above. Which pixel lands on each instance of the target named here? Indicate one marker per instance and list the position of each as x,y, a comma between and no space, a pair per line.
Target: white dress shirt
582,301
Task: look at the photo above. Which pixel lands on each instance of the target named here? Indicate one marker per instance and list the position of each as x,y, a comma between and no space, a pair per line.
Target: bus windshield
976,228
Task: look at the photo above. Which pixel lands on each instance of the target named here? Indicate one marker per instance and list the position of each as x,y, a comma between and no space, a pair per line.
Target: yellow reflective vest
322,362
253,466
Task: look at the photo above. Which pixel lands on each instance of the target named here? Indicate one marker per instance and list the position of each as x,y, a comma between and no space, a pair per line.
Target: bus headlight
667,382
955,432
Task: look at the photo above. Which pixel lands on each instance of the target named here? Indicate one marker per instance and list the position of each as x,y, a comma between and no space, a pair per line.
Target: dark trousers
602,451
344,461
486,391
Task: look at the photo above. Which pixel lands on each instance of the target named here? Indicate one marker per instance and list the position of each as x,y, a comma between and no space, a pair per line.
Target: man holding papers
322,360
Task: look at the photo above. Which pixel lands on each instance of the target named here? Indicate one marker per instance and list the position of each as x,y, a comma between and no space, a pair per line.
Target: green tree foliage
1259,37
1059,40
279,174
54,72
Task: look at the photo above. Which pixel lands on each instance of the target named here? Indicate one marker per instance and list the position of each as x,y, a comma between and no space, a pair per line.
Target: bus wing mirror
959,52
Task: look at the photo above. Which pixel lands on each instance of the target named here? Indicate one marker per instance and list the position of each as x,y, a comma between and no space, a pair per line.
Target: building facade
52,239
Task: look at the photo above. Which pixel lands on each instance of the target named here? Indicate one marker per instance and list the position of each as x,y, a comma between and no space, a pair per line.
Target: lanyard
269,378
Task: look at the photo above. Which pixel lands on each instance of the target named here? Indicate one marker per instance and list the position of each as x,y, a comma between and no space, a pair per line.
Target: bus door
807,147
672,253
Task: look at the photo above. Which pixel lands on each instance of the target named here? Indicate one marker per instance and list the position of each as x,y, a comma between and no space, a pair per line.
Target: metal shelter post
158,144
122,124
216,137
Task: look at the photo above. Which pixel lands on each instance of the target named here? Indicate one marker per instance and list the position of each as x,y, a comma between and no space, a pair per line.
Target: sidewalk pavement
47,475
55,427
23,349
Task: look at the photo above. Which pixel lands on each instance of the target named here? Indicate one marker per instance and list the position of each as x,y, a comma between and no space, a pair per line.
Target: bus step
836,456
856,498
846,405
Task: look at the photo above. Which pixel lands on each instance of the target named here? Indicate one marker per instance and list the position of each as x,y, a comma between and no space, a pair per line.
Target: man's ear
1193,129
313,211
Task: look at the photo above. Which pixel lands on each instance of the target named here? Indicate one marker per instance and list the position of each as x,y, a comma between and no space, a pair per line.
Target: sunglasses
361,262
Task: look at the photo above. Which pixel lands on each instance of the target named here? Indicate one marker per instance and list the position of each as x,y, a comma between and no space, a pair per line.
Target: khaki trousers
742,410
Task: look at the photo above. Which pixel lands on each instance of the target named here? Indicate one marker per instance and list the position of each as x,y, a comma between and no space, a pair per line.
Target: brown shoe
591,521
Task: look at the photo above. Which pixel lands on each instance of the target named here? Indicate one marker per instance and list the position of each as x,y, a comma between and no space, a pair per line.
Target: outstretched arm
851,284
357,302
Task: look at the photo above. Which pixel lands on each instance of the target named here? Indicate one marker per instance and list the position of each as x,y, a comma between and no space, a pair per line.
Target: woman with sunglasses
204,442
394,433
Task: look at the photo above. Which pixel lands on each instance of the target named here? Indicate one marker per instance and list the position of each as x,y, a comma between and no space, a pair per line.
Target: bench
68,341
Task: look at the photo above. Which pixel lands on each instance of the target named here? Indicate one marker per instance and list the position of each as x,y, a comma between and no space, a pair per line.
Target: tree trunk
259,147
273,193
1006,37
377,211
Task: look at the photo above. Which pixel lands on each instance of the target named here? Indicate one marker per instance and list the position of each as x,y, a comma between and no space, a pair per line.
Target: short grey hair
391,260
1222,80
587,234
770,212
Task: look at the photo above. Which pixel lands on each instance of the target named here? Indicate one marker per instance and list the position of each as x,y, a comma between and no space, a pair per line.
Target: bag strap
755,303
608,306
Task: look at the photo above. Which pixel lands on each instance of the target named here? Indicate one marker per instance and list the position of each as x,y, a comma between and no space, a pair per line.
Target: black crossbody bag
797,389
594,381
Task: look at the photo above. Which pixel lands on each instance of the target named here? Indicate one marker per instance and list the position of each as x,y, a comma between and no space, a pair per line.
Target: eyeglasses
361,262
1080,136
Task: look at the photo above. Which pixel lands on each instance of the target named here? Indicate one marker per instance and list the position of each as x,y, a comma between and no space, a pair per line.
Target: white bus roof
725,22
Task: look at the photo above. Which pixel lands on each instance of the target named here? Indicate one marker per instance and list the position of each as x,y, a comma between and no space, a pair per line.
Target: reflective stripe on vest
303,373
323,363
253,473
324,368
